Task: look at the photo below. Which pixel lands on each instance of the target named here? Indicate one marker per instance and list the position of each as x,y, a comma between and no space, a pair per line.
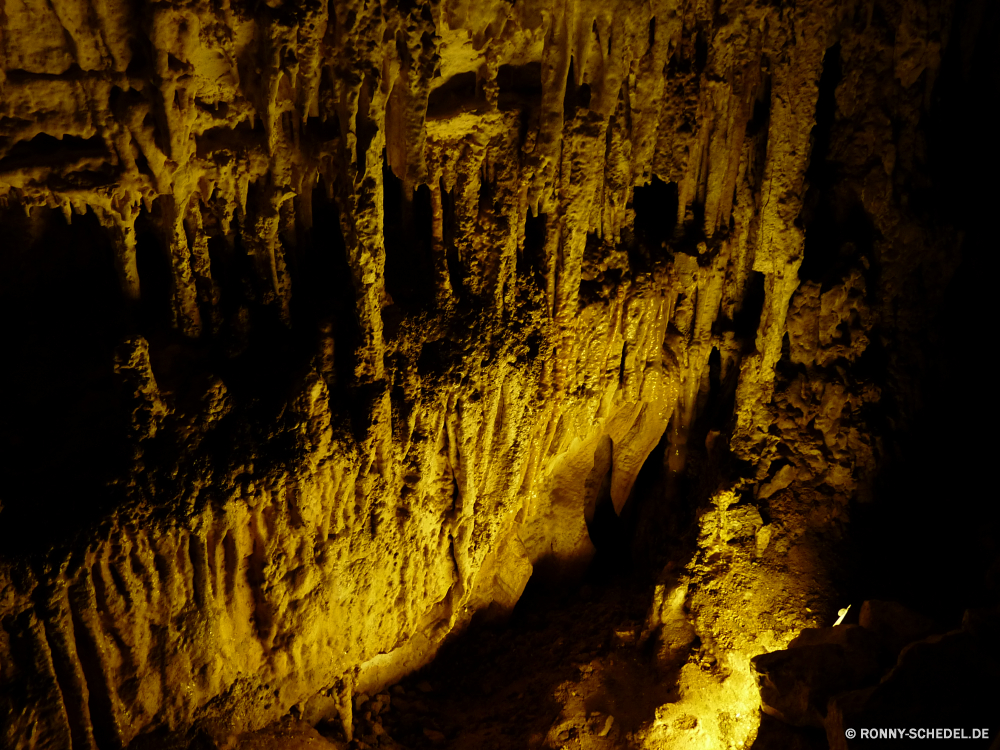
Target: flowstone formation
352,317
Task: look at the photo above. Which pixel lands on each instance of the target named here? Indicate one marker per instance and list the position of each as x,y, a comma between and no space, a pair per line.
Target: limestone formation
335,323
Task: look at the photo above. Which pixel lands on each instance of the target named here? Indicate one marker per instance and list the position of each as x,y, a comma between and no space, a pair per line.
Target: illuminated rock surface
333,324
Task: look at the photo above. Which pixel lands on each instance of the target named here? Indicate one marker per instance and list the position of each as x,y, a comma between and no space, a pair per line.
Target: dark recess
531,261
44,150
366,127
67,460
408,250
838,231
700,51
153,265
326,289
576,97
655,207
746,321
448,220
64,308
457,91
520,80
932,534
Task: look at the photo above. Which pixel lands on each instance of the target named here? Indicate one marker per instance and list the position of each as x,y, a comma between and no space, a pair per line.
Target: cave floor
565,670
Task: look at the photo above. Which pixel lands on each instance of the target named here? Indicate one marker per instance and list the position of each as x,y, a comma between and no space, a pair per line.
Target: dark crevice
648,524
486,195
531,261
46,150
199,570
576,97
155,276
65,312
570,98
220,143
256,579
519,85
366,127
325,298
65,680
747,318
452,259
140,64
456,493
838,231
714,372
700,51
655,207
761,105
408,243
102,713
230,564
603,524
458,91
606,535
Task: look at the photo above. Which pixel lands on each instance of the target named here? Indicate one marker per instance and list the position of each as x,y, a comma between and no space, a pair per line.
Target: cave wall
345,313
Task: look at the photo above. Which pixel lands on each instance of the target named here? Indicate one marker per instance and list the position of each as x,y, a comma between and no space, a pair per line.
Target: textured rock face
371,308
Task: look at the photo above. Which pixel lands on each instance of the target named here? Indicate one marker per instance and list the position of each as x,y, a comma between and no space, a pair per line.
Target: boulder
944,681
796,683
